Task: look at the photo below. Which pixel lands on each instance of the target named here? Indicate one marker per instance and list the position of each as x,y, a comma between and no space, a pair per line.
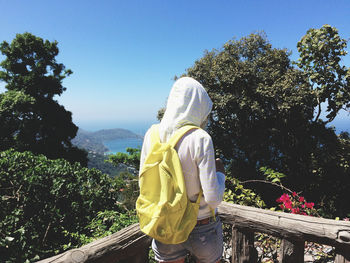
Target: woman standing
189,103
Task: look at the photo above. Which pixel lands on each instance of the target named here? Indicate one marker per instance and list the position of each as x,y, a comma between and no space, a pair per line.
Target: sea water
120,145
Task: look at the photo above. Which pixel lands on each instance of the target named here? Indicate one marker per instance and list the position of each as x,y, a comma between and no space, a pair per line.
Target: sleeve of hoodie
213,183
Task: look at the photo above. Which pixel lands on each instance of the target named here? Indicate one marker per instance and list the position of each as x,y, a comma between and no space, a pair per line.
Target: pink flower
295,211
284,197
309,205
288,204
296,204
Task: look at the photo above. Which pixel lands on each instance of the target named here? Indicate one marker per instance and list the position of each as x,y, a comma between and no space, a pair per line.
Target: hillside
93,141
113,134
86,140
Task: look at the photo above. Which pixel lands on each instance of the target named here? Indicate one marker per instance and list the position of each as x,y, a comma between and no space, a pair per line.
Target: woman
189,103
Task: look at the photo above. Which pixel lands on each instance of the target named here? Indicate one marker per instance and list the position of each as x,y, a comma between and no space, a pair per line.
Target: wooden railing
130,245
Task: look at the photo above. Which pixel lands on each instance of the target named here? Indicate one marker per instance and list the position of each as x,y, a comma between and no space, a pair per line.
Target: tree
263,115
321,51
258,98
131,158
30,116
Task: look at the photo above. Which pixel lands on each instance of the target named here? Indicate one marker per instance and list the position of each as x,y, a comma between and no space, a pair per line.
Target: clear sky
124,54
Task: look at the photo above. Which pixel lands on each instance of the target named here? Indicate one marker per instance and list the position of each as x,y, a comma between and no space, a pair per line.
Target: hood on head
188,103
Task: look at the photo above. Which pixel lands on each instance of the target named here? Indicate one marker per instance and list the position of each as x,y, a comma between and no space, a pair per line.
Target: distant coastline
95,142
139,128
100,143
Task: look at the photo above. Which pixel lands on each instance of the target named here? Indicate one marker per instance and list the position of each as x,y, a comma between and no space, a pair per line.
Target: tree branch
267,182
47,230
319,110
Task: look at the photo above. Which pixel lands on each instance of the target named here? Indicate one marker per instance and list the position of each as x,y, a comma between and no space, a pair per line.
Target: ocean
120,145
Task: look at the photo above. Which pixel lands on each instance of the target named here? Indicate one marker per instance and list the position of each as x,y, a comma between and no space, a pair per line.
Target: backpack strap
173,141
199,197
179,134
175,138
155,134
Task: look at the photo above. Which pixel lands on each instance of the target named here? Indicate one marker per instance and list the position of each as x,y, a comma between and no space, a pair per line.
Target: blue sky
124,54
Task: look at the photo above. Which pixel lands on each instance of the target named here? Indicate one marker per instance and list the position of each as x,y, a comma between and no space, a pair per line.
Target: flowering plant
296,204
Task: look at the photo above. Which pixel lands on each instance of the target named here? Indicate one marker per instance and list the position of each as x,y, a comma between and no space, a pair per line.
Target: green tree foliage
131,158
98,161
321,51
263,115
43,201
30,117
258,99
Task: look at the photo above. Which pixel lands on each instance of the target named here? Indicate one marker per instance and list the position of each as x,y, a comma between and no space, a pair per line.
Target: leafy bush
42,200
104,224
236,193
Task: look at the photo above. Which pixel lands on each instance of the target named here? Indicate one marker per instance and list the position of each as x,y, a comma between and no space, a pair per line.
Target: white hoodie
189,103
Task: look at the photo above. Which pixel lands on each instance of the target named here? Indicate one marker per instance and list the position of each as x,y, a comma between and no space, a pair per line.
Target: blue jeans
205,243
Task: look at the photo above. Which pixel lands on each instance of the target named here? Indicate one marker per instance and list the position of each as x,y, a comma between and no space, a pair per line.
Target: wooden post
142,257
292,251
243,250
342,252
342,255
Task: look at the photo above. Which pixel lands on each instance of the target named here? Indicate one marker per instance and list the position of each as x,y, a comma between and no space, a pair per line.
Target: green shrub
42,200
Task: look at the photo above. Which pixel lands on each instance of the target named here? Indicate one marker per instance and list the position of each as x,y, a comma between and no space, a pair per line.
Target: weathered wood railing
294,230
131,246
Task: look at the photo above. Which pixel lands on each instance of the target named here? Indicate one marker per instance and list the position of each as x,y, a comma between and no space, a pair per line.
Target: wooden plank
292,251
342,255
128,245
289,226
340,259
243,250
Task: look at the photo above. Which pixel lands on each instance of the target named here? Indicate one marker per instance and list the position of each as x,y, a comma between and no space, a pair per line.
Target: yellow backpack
164,210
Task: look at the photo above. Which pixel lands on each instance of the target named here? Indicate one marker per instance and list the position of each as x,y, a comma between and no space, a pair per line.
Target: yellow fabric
164,210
